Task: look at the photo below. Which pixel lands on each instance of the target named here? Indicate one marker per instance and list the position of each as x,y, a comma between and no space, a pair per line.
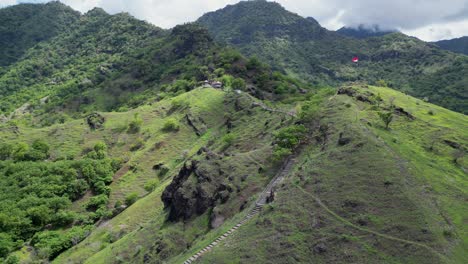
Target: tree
381,83
238,84
5,150
386,118
6,244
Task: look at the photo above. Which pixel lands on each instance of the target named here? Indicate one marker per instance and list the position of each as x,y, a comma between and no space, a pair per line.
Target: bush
151,185
135,125
163,170
386,118
51,243
131,198
228,139
238,84
179,103
97,202
290,137
137,145
280,153
381,83
171,124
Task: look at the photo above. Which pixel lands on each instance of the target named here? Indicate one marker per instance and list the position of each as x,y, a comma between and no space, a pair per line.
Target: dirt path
261,201
348,223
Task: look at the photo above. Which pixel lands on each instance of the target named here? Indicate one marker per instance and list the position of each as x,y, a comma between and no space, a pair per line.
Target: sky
428,20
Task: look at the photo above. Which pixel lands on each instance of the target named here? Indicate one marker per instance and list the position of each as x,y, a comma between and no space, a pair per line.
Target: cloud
426,19
163,13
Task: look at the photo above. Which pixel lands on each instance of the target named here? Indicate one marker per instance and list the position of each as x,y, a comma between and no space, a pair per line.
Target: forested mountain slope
459,45
301,47
23,26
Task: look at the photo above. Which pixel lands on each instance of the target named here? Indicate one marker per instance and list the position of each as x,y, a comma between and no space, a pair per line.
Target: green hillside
116,147
302,48
23,26
459,45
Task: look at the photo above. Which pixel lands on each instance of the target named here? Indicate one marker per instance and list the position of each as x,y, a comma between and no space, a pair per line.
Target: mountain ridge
122,142
323,57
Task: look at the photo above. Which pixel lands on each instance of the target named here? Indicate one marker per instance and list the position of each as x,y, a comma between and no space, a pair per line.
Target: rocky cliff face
198,187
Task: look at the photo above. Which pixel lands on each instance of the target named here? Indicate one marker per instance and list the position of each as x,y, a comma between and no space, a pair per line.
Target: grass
386,196
382,198
135,233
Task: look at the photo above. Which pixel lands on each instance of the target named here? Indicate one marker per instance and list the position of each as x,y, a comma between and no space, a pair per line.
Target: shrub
219,72
151,185
135,125
97,201
280,153
5,151
179,103
238,84
290,137
228,139
131,198
381,83
163,170
386,118
171,124
430,112
137,145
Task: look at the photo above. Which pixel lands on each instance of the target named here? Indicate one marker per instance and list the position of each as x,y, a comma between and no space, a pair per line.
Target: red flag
355,59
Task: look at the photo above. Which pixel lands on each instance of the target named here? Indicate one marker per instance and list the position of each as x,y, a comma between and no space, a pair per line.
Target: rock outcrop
197,188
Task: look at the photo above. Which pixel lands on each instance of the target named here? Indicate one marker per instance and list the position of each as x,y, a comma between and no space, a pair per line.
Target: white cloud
434,32
4,3
426,19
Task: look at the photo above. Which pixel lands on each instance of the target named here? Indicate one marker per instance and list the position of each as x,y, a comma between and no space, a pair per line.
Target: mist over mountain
363,31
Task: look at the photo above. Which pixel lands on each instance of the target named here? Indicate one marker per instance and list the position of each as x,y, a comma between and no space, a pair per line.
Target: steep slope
302,48
360,193
23,26
110,62
459,45
72,62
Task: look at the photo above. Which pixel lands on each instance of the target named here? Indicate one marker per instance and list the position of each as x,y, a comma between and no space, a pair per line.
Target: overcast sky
426,19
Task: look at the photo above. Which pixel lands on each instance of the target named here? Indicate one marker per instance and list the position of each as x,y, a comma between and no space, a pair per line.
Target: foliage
301,47
135,125
386,118
52,243
228,139
35,193
289,137
131,198
170,125
238,84
151,185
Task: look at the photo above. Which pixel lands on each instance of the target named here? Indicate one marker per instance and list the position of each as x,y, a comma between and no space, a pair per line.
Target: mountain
302,48
122,142
23,26
362,31
459,45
